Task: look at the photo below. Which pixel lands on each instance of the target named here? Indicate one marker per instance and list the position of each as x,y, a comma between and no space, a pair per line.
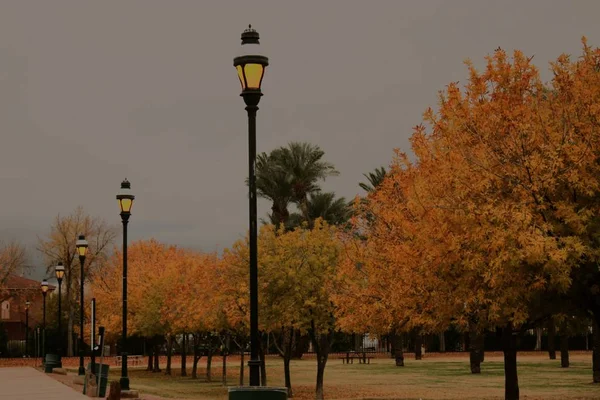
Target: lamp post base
124,382
257,393
52,361
81,371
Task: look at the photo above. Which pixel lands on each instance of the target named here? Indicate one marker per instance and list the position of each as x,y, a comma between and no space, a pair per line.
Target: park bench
360,356
131,360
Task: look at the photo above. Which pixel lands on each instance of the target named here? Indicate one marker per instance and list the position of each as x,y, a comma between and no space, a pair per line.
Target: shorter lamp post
44,287
27,304
82,247
125,198
59,270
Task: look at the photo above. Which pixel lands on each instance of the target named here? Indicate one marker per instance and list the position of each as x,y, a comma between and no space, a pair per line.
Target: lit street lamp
125,199
44,287
59,271
250,68
82,247
27,304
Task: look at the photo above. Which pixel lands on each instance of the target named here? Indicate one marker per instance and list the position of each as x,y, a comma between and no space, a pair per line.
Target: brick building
13,295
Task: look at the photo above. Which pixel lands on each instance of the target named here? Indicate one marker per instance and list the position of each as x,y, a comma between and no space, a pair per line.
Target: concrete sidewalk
26,383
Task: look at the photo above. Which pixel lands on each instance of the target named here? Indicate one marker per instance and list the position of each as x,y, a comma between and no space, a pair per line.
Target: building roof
15,282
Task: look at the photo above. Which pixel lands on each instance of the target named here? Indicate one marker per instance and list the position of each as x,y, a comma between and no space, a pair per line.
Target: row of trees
177,293
494,224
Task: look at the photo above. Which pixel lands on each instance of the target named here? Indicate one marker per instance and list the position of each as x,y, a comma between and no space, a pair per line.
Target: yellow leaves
296,273
499,205
168,290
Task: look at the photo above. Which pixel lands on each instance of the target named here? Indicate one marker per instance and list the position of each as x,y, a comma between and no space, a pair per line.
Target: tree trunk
195,365
302,342
288,347
474,350
183,356
551,340
209,357
287,376
156,358
398,347
242,367
511,380
224,375
538,340
263,368
392,339
564,350
596,352
418,343
320,375
481,345
150,359
169,354
442,337
322,345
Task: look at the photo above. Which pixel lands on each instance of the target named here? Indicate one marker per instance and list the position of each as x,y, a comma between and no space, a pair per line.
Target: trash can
257,393
52,361
103,379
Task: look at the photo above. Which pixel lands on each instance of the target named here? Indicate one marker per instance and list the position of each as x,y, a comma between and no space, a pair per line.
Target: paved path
26,383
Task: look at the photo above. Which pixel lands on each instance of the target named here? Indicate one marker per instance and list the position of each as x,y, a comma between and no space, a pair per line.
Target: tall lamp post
44,287
125,199
59,271
82,247
27,304
251,68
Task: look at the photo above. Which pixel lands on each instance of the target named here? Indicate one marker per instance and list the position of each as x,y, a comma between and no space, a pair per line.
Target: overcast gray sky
93,92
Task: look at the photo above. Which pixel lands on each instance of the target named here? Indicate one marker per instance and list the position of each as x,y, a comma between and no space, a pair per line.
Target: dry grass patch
433,378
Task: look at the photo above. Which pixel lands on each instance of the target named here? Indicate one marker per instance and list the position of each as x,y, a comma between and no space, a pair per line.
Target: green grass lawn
431,378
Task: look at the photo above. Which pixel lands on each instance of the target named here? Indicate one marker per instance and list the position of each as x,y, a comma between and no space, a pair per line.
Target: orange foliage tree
297,274
499,209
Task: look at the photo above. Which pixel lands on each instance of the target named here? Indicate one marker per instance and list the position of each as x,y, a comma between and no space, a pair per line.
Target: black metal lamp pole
27,304
251,68
82,246
59,270
44,293
93,339
125,199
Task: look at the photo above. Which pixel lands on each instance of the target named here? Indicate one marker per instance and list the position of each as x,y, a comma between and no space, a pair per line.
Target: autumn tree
297,270
12,258
59,245
195,306
499,207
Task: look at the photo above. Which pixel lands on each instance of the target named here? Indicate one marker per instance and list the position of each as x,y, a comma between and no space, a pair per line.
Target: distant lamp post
82,248
59,271
44,287
27,304
125,199
251,68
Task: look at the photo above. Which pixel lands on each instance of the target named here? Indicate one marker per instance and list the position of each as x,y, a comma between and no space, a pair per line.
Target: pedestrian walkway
26,383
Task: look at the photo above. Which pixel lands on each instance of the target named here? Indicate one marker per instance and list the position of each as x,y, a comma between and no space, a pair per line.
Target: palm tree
323,205
303,161
274,184
375,179
289,175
